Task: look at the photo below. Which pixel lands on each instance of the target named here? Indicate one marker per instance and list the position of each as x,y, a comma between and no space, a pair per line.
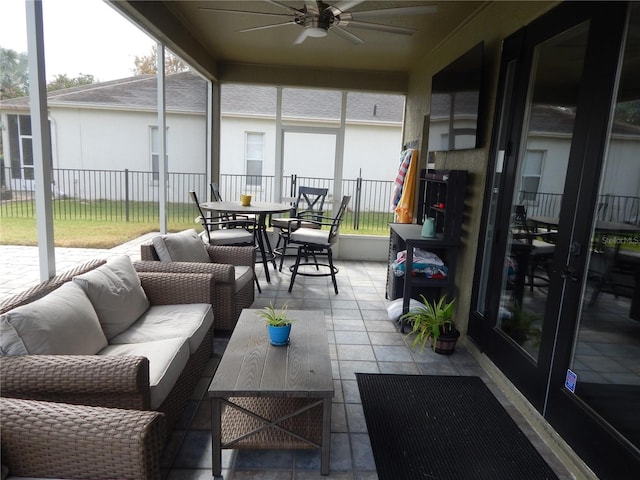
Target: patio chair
308,204
224,230
540,252
315,241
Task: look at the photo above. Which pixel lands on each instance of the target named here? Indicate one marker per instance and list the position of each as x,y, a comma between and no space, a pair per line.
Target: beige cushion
167,360
310,235
184,246
62,322
191,321
243,275
116,294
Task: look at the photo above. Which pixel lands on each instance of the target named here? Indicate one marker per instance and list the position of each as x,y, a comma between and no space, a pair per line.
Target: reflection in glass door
539,186
606,356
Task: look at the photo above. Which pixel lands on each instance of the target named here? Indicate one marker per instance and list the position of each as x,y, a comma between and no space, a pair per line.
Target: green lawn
103,224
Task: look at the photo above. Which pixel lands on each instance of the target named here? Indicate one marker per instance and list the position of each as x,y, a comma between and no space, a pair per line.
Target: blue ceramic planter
279,335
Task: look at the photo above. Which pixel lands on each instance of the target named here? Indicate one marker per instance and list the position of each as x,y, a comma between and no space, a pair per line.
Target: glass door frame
543,382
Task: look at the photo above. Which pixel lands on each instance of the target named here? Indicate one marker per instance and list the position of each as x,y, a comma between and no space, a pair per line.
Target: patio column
41,139
162,137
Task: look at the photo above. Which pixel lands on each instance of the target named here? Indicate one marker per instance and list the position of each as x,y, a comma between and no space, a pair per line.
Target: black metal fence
132,196
611,208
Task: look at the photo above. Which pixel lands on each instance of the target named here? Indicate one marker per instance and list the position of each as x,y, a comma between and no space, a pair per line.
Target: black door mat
444,428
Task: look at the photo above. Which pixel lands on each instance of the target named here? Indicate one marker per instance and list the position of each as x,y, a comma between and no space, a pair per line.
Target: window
254,156
531,175
20,147
155,152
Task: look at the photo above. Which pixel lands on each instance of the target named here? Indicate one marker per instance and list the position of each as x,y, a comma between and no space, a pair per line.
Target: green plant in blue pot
278,324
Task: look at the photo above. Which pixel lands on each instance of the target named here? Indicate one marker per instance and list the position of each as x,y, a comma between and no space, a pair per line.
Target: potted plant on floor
433,321
278,324
522,325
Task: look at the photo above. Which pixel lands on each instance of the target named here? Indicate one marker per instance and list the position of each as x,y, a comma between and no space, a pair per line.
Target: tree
14,74
63,81
148,64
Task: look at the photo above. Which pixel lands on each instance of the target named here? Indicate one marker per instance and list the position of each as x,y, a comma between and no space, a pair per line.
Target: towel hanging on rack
405,206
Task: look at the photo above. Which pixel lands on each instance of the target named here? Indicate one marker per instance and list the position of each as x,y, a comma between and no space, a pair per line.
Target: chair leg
333,270
283,252
294,270
255,277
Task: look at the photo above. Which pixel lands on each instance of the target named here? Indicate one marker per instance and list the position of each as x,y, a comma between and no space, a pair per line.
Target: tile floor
361,339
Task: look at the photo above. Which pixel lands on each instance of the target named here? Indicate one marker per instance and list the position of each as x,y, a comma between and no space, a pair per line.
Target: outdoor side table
269,397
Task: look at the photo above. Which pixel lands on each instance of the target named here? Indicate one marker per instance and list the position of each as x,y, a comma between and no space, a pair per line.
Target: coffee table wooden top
251,366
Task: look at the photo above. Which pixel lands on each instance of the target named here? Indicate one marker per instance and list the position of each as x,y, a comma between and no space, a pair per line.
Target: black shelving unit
441,196
446,187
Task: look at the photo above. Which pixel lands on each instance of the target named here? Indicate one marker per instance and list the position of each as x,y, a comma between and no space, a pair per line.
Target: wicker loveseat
136,369
232,268
59,440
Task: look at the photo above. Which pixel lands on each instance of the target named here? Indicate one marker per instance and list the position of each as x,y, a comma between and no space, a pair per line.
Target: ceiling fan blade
340,7
263,27
347,35
301,38
224,10
312,7
286,7
418,10
379,28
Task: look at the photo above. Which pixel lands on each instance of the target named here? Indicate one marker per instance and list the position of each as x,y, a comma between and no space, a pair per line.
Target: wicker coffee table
267,397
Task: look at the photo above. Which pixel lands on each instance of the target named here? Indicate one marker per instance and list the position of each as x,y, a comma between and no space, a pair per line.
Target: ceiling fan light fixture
317,32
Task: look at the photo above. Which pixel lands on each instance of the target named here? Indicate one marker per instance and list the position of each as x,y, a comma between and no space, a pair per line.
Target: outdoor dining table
262,210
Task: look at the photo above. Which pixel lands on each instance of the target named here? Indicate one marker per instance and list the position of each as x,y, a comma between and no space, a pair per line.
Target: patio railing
132,196
611,208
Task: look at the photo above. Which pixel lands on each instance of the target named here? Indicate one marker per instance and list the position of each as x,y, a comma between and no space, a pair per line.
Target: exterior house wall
111,139
491,24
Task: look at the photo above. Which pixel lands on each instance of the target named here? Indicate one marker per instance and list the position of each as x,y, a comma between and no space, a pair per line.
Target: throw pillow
184,246
116,294
61,323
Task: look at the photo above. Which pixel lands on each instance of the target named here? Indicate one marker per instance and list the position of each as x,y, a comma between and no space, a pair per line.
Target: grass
79,233
108,233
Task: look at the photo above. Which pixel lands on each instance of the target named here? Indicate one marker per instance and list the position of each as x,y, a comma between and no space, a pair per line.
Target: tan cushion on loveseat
167,360
191,321
62,322
116,294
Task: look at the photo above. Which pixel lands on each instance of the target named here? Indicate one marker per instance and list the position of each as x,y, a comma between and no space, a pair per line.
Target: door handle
569,273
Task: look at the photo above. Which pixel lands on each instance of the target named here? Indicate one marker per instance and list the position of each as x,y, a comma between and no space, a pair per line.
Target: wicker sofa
59,440
232,268
137,372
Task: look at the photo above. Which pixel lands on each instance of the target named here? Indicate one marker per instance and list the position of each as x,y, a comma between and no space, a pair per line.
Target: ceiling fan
318,18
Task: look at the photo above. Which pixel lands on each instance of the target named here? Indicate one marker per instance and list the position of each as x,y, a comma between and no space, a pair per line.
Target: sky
81,37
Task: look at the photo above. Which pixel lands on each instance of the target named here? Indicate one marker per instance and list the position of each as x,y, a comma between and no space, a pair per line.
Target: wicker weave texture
46,439
236,423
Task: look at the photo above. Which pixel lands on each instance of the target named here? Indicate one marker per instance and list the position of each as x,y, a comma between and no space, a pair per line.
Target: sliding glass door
562,239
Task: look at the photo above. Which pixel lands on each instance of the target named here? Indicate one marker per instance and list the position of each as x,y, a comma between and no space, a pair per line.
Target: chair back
310,202
215,192
202,217
337,219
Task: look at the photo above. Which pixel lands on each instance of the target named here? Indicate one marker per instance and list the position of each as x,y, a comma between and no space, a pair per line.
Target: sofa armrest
222,272
58,440
164,288
108,381
234,255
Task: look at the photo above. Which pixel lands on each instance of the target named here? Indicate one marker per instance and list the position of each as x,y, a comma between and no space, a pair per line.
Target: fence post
294,181
356,213
126,194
